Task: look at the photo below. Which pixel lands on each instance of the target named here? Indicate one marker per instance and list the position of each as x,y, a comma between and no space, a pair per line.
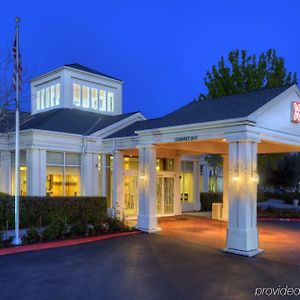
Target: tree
246,73
216,163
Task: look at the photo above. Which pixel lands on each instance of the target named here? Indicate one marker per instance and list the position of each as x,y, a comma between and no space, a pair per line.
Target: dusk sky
160,49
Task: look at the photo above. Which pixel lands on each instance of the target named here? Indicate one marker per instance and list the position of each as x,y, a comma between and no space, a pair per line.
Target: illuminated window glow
47,97
94,98
85,96
76,94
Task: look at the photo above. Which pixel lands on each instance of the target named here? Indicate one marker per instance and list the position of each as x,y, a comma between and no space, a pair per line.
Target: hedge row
41,211
273,212
288,197
207,199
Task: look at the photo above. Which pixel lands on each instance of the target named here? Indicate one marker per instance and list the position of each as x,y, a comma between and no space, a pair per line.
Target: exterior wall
89,174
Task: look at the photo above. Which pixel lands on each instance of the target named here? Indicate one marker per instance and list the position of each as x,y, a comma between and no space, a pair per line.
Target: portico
238,140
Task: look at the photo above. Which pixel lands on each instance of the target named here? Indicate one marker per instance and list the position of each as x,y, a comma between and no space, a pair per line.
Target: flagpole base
16,241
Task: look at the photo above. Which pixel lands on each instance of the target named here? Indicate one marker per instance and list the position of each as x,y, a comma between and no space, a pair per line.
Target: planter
296,202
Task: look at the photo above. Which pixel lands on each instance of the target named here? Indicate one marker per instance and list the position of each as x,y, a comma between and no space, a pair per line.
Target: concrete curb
63,243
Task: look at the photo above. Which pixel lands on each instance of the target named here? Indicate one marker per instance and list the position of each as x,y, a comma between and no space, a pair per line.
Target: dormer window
85,96
48,97
93,97
76,94
102,98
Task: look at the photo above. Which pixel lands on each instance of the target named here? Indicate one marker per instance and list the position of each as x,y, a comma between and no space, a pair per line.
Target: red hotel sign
295,112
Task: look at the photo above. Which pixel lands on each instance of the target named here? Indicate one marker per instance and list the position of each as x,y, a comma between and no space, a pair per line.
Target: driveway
157,266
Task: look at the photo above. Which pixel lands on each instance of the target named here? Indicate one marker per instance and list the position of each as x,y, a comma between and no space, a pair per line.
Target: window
57,93
42,98
85,96
38,100
23,173
76,94
165,164
102,99
110,101
52,102
47,97
63,174
94,98
131,163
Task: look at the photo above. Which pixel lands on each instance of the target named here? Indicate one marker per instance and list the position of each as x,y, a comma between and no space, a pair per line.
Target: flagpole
17,240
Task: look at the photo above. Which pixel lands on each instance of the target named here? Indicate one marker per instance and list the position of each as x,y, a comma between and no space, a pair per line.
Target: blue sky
161,49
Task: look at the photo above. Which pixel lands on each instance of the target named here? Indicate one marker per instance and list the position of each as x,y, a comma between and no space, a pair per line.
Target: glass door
131,196
168,195
159,194
164,195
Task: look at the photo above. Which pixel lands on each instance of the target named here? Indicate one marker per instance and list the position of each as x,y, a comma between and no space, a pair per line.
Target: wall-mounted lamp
236,176
254,176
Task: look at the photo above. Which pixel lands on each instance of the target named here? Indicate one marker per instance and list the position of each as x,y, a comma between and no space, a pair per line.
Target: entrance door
165,195
131,196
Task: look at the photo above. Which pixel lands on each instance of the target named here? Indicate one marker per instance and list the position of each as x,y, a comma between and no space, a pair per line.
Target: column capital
243,137
146,146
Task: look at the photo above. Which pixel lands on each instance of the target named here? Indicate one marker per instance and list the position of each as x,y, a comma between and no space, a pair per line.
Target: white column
196,189
225,188
177,196
147,211
103,174
89,174
118,184
36,172
5,172
242,235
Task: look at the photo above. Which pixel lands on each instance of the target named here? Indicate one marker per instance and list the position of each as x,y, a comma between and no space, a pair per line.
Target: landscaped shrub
32,236
41,212
207,199
274,212
288,197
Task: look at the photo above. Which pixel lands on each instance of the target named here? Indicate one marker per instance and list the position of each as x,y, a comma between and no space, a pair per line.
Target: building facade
77,142
73,109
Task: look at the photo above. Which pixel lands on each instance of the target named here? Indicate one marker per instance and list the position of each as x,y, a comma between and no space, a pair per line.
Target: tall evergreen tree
246,73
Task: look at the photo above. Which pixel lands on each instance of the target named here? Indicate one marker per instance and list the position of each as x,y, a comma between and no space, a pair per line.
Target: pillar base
16,241
147,224
249,253
153,230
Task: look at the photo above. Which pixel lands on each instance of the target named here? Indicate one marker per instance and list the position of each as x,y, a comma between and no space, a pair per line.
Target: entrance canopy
238,127
268,116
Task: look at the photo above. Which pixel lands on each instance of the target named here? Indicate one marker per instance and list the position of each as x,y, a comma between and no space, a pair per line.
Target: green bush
288,197
32,236
207,199
274,212
40,212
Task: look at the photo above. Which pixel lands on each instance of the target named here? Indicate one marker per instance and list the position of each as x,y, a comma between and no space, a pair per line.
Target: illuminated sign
295,112
187,138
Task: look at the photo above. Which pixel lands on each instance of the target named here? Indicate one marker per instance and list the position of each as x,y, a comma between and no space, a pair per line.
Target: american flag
17,67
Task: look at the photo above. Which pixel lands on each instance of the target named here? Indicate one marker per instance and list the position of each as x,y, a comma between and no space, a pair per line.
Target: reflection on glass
130,189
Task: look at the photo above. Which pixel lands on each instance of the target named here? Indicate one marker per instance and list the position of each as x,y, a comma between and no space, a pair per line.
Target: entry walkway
278,239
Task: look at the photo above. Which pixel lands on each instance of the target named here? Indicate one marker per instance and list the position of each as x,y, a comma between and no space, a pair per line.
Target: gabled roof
223,108
86,69
8,119
73,121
